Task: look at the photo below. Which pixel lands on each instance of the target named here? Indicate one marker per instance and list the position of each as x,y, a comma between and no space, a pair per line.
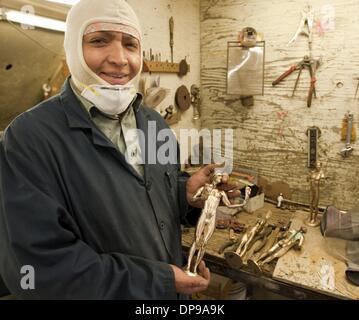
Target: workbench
310,273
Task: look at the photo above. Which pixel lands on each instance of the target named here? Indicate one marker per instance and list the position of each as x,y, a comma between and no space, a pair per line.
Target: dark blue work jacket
74,209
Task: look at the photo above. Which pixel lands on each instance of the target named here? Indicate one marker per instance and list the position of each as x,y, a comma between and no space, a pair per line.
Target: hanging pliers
307,20
312,66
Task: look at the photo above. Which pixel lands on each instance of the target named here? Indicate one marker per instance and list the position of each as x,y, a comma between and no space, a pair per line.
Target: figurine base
312,223
233,259
190,273
254,266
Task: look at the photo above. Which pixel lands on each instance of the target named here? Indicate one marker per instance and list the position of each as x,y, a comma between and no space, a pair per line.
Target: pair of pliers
311,65
307,20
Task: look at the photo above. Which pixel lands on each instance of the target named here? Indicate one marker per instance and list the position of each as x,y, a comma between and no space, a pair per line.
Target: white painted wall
154,16
273,144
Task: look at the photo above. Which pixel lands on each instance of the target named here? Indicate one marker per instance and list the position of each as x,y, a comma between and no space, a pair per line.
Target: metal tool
348,149
169,112
313,134
356,91
309,63
307,21
171,23
195,99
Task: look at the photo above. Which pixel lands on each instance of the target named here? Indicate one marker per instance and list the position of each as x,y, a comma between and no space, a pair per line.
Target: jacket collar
78,118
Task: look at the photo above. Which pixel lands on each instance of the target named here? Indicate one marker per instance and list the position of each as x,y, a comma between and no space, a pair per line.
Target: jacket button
162,225
149,185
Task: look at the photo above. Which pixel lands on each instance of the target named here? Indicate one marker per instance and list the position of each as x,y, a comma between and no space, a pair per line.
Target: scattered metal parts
230,223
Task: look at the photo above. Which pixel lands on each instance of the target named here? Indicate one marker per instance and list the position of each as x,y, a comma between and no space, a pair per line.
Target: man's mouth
115,75
114,78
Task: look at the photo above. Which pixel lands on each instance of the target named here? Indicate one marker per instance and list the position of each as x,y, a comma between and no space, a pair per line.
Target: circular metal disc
183,98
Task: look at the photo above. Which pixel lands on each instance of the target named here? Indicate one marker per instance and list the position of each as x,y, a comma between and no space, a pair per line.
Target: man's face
113,56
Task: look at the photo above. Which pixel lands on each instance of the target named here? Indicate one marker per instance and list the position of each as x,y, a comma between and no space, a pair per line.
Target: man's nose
117,54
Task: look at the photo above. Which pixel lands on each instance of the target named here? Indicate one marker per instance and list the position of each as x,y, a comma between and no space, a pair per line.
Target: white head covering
92,12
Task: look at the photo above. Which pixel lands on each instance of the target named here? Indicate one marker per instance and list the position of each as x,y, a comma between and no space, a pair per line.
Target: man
75,205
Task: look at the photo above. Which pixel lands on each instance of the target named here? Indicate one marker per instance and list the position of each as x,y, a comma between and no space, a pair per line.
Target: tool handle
349,129
284,75
171,22
311,91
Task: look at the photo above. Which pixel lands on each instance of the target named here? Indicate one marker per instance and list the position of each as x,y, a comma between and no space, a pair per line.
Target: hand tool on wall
313,80
169,112
306,62
171,117
171,23
306,22
356,91
348,131
196,100
313,134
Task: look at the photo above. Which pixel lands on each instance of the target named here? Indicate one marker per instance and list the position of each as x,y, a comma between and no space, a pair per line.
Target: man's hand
186,284
203,176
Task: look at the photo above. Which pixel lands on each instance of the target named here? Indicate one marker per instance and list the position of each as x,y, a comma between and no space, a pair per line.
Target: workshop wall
154,16
270,136
29,58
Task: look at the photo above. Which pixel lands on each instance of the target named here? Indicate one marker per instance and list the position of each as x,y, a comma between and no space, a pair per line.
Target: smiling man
113,56
90,224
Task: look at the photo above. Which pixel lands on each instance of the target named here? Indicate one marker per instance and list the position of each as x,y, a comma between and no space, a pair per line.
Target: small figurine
314,178
235,258
294,239
207,221
280,198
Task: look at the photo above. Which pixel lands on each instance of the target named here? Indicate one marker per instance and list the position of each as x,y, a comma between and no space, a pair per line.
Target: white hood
85,13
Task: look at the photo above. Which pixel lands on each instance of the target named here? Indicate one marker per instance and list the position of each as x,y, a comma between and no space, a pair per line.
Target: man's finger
233,193
204,271
210,168
225,178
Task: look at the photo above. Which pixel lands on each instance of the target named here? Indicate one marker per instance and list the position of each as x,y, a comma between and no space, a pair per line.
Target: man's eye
98,41
133,45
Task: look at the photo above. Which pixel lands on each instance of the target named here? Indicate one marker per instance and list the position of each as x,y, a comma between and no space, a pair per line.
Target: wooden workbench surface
311,268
